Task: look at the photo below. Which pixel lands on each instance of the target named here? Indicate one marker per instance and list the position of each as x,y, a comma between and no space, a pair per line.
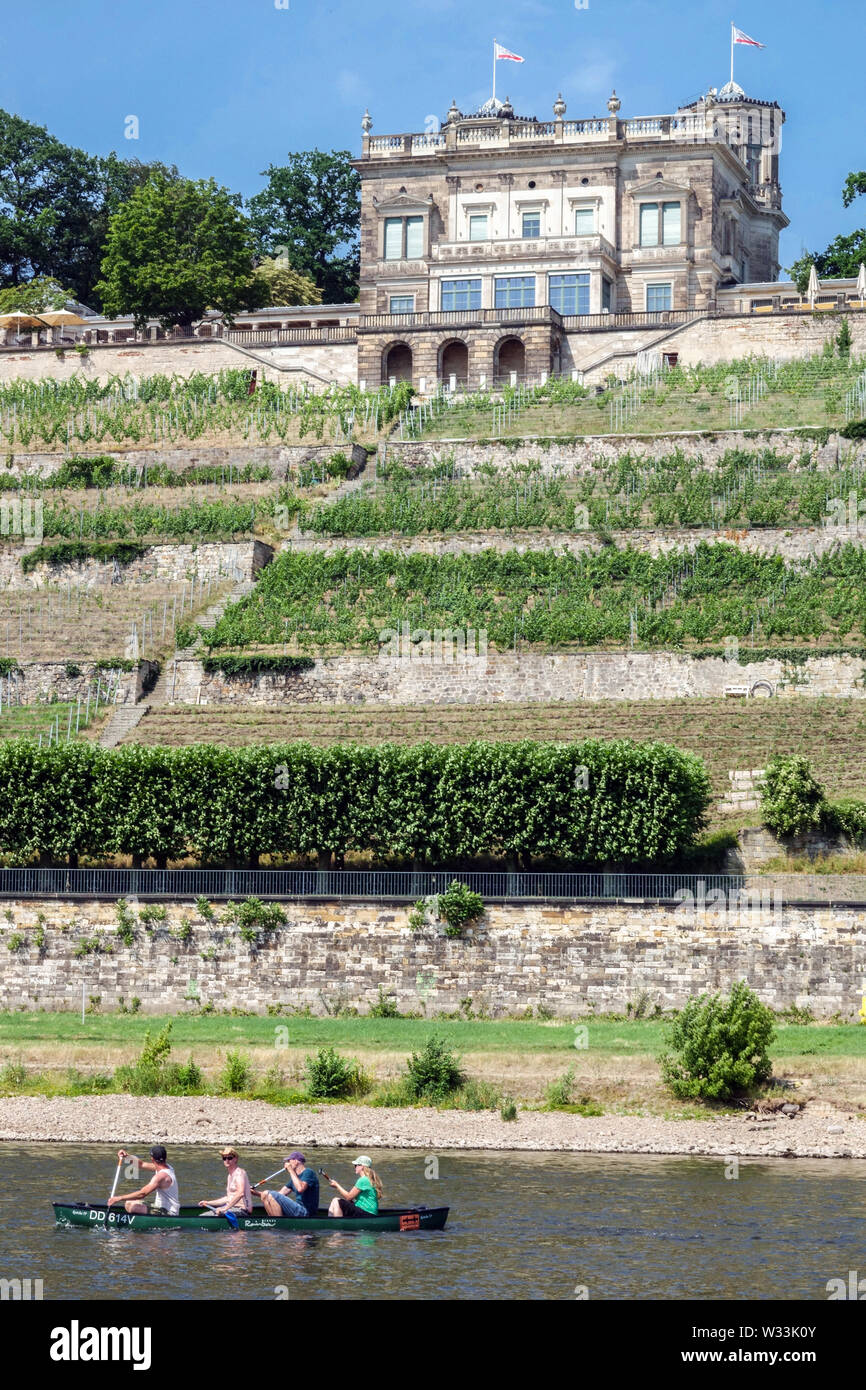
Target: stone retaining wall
796,544
572,958
172,563
281,459
582,455
316,363
39,680
513,679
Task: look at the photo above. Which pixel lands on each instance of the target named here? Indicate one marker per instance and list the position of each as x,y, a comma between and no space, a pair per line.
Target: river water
521,1226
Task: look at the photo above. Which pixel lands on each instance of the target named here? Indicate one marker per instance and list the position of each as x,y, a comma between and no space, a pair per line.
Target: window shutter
671,224
414,238
649,224
393,238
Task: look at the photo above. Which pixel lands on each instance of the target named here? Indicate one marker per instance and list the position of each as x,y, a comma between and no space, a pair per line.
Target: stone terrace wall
513,679
170,563
787,336
282,459
38,680
796,544
583,455
570,958
316,363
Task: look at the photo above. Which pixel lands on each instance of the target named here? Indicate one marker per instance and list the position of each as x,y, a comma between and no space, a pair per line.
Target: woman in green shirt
363,1199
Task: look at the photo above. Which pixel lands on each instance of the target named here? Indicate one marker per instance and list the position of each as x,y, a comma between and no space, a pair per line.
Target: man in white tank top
163,1183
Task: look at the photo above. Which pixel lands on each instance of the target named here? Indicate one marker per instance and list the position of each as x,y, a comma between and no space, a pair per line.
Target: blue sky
224,87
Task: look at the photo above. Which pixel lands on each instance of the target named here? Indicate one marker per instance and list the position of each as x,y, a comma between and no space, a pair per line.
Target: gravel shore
818,1131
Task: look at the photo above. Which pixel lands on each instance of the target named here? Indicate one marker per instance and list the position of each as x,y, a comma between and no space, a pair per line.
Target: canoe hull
97,1215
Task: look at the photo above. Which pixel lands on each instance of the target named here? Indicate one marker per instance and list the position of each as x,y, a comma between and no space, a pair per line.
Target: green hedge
70,552
257,664
589,802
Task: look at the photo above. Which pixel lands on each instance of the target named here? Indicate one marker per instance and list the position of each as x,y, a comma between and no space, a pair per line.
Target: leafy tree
720,1046
55,204
841,259
792,799
283,285
310,211
41,293
175,248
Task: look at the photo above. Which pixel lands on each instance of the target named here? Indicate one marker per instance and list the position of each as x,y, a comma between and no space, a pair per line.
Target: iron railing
408,884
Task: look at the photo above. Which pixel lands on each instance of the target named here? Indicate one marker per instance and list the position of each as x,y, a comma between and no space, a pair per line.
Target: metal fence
408,884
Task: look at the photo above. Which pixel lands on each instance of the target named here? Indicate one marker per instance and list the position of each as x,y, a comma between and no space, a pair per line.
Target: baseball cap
296,1155
364,1161
158,1153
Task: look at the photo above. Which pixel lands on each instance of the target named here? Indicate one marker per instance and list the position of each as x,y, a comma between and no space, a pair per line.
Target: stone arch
454,361
509,356
397,362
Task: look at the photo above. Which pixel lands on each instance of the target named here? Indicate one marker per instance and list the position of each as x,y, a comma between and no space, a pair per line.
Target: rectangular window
461,294
671,224
402,304
514,292
649,224
532,224
393,238
605,293
569,294
584,221
658,297
414,238
478,226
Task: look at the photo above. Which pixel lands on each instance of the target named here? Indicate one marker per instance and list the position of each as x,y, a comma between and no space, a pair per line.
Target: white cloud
350,88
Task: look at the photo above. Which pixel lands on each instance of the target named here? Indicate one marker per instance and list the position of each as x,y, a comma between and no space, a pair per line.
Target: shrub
457,906
13,1076
477,1095
434,1073
560,1091
150,1075
508,1111
332,1077
125,922
855,429
719,1046
236,1075
847,817
792,798
204,909
385,1006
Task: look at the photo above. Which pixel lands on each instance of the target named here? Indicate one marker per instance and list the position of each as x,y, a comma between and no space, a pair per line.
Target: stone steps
165,688
123,719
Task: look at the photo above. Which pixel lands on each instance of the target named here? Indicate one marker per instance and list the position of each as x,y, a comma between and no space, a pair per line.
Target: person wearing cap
163,1183
301,1198
363,1199
239,1197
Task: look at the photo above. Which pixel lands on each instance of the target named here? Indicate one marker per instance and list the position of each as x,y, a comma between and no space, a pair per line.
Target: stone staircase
120,722
162,691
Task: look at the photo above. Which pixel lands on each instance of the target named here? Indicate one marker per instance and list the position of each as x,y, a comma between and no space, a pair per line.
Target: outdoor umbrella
17,320
814,287
56,318
861,282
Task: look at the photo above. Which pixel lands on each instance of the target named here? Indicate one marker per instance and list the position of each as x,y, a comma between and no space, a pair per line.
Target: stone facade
573,958
485,242
530,677
38,681
317,364
282,459
167,564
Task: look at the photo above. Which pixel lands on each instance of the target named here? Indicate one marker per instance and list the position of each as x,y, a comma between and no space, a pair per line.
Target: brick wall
571,958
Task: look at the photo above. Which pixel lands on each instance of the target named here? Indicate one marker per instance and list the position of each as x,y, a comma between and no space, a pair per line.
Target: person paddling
301,1198
363,1199
163,1183
239,1197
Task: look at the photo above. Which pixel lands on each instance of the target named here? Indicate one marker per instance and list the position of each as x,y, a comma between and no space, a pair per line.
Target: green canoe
97,1214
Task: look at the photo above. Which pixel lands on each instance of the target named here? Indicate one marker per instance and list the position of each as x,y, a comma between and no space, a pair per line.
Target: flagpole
732,53
494,72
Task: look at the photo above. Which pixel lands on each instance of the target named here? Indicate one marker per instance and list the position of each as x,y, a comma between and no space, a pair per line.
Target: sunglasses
228,1158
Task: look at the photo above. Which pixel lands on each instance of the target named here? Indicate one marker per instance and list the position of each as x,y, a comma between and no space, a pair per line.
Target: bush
477,1095
560,1091
508,1111
719,1046
236,1075
332,1077
792,799
435,1073
855,429
457,906
385,1006
846,817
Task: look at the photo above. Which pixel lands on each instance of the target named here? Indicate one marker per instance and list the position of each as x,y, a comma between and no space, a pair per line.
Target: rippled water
527,1226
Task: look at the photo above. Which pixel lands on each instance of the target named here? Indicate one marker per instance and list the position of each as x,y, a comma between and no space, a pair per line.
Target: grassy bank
613,1069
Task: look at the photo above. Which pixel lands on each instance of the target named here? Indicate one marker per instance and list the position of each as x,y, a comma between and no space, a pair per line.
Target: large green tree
175,248
310,212
55,205
841,259
283,285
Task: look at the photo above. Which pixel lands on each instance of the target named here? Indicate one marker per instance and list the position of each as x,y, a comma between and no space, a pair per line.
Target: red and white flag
500,52
739,37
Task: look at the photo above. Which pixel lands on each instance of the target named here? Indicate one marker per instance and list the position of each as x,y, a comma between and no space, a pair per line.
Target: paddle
116,1179
268,1178
229,1216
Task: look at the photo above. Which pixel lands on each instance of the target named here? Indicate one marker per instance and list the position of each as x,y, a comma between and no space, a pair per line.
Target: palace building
490,246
